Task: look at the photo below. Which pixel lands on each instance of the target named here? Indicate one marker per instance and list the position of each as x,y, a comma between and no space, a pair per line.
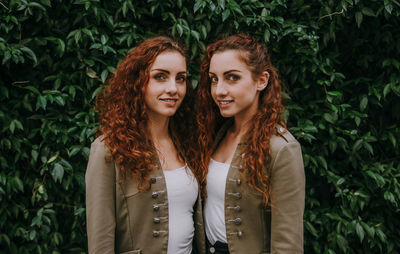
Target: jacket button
238,221
239,233
212,250
154,195
156,207
238,195
238,182
153,180
156,233
237,209
156,220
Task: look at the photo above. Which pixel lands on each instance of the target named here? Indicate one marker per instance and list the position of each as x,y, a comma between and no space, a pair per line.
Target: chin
169,113
226,114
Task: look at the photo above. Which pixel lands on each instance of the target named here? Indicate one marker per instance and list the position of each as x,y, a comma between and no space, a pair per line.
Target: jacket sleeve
287,200
100,201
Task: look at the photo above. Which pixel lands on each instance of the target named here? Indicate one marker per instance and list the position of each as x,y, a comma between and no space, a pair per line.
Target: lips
169,101
224,103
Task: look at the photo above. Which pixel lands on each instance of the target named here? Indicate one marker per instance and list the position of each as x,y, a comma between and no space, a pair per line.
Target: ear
262,81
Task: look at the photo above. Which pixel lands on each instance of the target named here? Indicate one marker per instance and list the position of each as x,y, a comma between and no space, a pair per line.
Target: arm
100,201
287,200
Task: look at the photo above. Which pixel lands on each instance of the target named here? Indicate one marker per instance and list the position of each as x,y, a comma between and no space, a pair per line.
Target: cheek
182,90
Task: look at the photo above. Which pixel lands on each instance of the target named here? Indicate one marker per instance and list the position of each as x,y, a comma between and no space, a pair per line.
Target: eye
160,76
213,80
232,77
181,78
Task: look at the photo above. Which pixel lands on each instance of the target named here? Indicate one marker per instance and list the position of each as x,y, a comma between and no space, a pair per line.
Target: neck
158,128
241,126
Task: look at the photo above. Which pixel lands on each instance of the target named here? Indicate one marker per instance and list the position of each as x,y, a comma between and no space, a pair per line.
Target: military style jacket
252,227
120,219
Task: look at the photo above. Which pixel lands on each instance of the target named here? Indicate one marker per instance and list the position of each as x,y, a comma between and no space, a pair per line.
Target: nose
220,89
171,87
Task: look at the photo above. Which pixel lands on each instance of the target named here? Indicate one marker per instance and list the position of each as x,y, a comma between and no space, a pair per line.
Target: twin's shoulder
99,141
281,138
99,145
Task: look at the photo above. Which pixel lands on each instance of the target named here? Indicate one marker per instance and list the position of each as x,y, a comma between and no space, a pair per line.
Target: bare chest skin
168,155
226,148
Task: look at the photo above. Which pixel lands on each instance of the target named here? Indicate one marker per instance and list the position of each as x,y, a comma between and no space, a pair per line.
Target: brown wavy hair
123,118
264,122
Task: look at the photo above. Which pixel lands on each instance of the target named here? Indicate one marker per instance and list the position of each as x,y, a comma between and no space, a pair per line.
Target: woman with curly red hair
252,167
141,187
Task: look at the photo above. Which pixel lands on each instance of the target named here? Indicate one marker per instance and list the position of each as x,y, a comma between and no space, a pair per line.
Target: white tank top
182,189
214,208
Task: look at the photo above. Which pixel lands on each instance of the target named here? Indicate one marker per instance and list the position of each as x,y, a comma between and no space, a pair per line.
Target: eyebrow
162,70
227,72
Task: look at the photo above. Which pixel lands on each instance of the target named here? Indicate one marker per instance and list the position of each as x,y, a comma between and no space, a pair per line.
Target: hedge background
340,61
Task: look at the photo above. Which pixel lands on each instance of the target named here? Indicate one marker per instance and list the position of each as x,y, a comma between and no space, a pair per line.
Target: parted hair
123,113
263,125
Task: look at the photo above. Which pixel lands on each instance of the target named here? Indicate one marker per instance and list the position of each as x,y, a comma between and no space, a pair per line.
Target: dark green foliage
340,62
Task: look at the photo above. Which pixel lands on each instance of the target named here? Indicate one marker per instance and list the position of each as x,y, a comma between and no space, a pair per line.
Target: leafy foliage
339,60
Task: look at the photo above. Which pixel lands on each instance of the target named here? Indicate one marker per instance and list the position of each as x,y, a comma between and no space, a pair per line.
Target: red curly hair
263,125
123,118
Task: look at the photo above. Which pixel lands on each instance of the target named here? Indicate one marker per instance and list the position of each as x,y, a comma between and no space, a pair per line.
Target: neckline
175,169
223,163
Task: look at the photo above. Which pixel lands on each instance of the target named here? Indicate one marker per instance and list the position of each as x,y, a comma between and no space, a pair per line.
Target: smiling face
233,88
167,84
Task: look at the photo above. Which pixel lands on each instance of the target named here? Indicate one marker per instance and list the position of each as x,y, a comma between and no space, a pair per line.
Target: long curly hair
123,113
264,122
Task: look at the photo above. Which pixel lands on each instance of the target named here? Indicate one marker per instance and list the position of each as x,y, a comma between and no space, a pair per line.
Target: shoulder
100,164
99,144
98,149
282,140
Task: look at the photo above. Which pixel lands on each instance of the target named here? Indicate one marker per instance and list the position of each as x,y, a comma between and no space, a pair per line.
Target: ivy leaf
225,14
197,6
58,172
195,34
30,53
363,103
368,12
386,90
359,18
41,102
180,29
360,231
266,35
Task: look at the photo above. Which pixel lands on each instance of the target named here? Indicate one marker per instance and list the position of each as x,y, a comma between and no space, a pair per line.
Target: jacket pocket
132,252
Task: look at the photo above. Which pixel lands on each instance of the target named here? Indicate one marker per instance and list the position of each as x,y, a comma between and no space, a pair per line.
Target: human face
233,88
167,84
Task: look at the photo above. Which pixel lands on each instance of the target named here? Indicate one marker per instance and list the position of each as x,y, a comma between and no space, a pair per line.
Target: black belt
217,248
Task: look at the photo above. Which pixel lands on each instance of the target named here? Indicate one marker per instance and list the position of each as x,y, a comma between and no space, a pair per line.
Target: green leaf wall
339,60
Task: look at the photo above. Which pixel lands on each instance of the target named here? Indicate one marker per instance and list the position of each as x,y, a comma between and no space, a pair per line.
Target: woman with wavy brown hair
252,167
141,187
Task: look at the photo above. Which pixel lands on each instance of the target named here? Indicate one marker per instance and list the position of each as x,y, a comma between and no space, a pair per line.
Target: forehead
170,60
227,60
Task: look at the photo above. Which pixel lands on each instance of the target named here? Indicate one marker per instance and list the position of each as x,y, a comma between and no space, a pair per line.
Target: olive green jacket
120,219
253,228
